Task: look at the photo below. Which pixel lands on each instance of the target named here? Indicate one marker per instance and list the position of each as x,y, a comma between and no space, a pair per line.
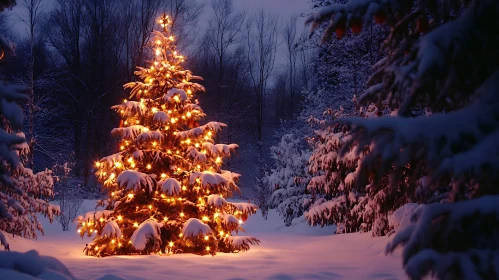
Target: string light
207,248
149,166
170,244
182,214
205,218
120,218
135,224
206,238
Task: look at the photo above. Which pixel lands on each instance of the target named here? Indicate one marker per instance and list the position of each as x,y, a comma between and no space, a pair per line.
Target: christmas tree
166,189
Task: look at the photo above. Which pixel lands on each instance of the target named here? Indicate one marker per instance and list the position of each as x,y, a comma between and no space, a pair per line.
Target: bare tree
185,16
68,194
262,40
34,15
146,11
289,35
223,30
66,21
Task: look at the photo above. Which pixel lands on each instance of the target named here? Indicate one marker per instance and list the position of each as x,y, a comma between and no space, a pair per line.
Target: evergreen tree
443,58
289,176
23,194
166,189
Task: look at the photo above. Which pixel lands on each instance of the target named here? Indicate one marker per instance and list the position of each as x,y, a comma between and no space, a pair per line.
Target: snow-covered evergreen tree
166,189
442,57
340,69
23,194
289,176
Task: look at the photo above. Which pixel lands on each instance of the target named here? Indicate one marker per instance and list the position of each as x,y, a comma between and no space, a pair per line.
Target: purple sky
281,7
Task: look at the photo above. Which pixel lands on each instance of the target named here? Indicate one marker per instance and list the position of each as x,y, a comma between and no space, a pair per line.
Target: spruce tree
442,58
23,193
166,187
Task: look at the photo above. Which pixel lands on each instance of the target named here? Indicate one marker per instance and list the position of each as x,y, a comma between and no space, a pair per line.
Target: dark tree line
77,54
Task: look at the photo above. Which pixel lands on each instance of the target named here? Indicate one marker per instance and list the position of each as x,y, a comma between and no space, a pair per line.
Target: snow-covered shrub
289,177
37,189
441,57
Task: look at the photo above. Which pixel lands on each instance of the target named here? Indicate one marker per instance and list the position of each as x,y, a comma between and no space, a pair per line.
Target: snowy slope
297,252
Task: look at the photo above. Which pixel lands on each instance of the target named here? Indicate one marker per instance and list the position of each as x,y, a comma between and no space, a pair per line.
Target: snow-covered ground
296,252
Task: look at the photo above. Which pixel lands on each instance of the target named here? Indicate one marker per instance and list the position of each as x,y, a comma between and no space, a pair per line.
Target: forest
158,127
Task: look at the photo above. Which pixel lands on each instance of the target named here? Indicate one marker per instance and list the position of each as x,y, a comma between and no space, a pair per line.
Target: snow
194,227
170,186
295,252
161,117
134,180
111,230
244,207
149,229
401,218
208,178
230,220
216,200
175,92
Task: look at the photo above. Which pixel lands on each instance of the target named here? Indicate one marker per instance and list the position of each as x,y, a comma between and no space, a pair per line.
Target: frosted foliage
216,200
358,205
134,180
130,108
401,218
246,208
242,243
161,117
23,193
208,178
147,234
194,227
170,186
440,71
111,230
169,96
463,225
199,131
23,209
289,176
30,265
230,220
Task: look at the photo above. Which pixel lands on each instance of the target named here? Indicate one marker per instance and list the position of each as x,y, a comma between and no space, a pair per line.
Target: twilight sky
283,8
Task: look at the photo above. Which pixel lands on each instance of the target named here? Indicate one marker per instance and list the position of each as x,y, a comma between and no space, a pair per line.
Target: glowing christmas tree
166,189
